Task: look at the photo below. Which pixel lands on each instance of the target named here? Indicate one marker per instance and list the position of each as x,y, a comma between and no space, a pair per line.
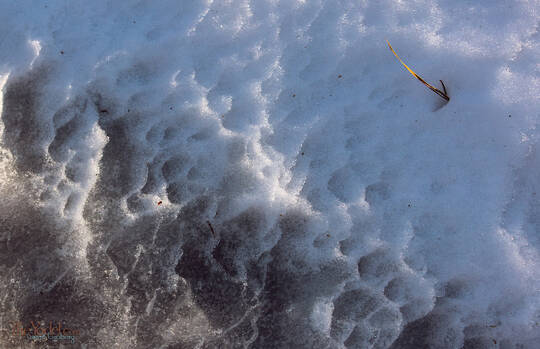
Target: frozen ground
350,207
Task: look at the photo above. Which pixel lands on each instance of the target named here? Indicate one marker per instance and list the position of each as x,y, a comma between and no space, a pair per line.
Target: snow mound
266,174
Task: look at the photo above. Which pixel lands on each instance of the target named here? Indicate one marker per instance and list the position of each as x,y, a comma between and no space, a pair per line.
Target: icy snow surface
266,174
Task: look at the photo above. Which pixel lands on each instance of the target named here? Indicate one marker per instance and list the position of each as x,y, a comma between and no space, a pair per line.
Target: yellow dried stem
434,89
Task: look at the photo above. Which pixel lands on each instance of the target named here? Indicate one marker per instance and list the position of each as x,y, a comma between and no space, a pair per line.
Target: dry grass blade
434,89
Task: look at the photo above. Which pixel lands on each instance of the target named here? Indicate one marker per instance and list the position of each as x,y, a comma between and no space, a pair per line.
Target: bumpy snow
266,174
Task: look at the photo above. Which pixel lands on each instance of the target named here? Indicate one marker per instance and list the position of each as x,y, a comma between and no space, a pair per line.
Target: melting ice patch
265,174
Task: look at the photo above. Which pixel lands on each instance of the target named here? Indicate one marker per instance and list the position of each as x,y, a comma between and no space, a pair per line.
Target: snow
349,205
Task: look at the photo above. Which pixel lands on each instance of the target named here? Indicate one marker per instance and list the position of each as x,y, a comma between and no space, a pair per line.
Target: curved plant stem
434,89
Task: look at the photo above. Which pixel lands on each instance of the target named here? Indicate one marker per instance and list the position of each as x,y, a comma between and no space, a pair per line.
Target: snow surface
313,193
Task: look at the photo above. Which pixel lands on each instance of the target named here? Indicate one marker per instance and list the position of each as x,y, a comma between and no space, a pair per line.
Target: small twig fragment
434,89
444,87
211,229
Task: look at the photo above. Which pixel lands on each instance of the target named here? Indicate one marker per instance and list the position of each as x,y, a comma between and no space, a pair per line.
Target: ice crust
312,194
